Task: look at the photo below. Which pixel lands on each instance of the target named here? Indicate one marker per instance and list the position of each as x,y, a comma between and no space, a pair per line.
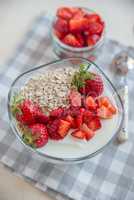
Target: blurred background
16,17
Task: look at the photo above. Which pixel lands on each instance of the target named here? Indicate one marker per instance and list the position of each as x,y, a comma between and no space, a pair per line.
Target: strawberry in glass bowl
77,32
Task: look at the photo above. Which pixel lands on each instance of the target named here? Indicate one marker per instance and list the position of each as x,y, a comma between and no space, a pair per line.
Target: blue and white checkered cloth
108,176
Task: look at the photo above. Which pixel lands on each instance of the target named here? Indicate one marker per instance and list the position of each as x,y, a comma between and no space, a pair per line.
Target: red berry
88,116
75,98
79,134
39,132
92,39
95,28
80,38
57,113
61,26
53,127
71,40
93,18
94,124
93,87
78,25
90,103
65,13
89,133
64,127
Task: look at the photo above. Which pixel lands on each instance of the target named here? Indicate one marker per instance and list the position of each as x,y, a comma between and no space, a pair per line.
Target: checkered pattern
107,176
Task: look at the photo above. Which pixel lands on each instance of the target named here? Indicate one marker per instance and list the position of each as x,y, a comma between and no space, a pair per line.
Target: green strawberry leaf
15,102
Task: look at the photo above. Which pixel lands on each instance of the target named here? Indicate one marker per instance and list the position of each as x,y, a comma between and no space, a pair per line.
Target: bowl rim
58,159
75,49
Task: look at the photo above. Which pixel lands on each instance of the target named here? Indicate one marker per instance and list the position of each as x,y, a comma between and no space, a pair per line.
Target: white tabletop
15,19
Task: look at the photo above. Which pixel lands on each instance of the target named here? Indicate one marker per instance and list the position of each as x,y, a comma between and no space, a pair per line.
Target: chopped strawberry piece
59,34
75,10
104,113
80,38
65,13
76,25
94,124
75,98
88,116
93,18
61,26
57,113
89,133
73,111
78,134
64,127
41,118
95,28
90,103
70,119
107,103
52,128
92,39
79,14
79,120
71,40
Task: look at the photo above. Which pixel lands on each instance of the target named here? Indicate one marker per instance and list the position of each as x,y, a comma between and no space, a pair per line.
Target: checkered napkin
107,176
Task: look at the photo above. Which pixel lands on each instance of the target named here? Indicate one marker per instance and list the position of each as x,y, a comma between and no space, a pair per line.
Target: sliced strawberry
70,119
95,28
90,103
88,116
92,39
80,13
57,113
89,133
78,134
76,25
94,124
79,120
64,127
75,10
107,103
93,18
61,26
80,39
52,128
71,40
65,13
104,113
59,34
75,98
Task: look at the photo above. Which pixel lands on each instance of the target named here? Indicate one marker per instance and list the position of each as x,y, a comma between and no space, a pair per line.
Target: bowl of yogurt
66,111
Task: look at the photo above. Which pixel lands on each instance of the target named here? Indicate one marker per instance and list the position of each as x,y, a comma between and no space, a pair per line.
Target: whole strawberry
35,135
93,87
88,83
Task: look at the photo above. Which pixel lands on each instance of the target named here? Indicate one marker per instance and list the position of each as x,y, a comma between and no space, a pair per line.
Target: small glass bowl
64,51
95,145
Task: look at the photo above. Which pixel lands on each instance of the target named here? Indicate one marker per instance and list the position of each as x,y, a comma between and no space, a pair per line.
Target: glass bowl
59,152
64,51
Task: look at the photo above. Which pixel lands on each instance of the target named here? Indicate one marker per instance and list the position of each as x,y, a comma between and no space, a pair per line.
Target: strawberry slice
79,120
107,103
79,13
61,26
70,119
64,127
71,40
88,116
104,113
95,28
75,98
94,124
92,39
65,13
80,38
93,17
78,134
89,133
59,34
90,103
57,113
78,25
